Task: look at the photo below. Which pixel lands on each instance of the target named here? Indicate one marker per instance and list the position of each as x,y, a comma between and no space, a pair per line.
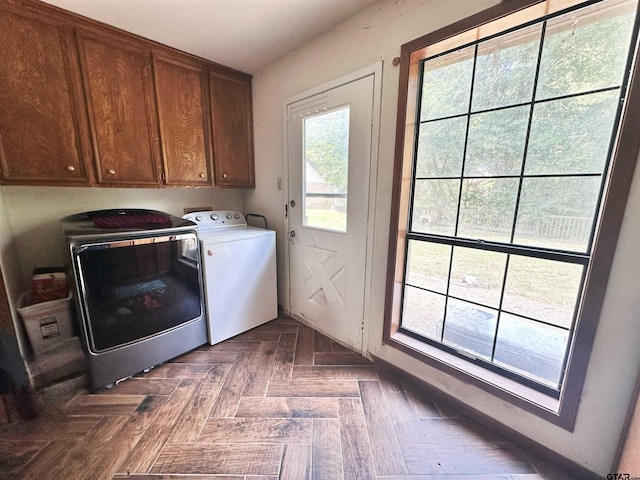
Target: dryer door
132,289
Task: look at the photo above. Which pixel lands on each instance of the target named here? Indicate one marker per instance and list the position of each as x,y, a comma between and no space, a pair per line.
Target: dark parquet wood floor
279,402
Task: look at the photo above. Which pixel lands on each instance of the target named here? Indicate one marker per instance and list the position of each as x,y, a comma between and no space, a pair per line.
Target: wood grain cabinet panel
82,103
122,114
181,95
232,120
41,108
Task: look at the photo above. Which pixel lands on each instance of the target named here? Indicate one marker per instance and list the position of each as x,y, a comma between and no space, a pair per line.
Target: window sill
528,399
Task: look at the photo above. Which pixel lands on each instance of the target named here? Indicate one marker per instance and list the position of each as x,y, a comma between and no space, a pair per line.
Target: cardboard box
48,284
48,323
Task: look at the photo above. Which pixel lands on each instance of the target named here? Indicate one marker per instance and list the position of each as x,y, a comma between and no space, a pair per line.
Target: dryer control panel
207,220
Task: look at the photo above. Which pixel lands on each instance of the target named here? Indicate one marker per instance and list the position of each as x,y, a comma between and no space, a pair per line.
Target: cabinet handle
71,168
224,175
202,175
111,172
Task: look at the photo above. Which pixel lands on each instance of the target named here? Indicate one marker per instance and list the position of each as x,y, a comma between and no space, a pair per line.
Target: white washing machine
239,270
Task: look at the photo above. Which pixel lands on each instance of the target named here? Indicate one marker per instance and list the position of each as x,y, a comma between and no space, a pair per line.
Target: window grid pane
520,171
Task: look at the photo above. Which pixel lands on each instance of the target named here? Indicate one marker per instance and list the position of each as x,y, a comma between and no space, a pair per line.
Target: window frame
562,411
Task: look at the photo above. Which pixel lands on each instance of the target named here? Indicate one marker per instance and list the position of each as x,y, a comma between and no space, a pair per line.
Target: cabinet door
232,119
122,115
180,93
41,110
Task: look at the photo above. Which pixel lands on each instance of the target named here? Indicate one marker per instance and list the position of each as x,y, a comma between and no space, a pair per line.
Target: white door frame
375,70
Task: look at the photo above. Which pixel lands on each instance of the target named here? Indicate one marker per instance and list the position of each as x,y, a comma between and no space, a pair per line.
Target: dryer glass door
133,289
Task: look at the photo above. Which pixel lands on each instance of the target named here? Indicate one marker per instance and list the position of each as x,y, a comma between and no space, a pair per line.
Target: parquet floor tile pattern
281,401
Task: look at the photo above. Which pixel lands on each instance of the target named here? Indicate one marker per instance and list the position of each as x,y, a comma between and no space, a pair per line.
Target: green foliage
327,147
556,137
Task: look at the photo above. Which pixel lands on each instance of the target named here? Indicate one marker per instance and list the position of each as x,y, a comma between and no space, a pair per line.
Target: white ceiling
243,34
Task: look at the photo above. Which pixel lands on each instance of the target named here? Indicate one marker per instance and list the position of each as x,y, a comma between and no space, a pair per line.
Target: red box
48,284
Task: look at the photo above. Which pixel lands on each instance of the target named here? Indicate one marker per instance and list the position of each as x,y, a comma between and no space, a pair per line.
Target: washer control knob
214,217
229,216
236,216
198,218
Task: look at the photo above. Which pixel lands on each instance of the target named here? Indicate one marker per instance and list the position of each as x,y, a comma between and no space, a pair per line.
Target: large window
509,141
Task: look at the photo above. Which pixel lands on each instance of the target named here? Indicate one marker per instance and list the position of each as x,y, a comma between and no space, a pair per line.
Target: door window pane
326,166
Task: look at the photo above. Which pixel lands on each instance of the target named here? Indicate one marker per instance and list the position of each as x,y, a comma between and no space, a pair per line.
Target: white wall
30,234
377,34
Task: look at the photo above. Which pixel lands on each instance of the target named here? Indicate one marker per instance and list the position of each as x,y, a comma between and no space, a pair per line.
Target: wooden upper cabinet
82,103
232,120
43,134
119,89
181,96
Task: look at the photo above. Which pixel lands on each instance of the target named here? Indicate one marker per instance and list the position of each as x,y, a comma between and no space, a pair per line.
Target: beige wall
630,457
30,234
9,260
376,34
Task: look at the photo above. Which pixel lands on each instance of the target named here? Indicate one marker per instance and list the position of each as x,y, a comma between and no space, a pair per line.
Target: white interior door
329,138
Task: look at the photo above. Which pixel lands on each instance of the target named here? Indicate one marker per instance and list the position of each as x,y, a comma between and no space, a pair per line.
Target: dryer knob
236,216
214,217
198,218
229,216
211,252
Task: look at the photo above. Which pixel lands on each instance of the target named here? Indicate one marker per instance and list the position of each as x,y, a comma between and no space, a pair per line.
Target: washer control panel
207,220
